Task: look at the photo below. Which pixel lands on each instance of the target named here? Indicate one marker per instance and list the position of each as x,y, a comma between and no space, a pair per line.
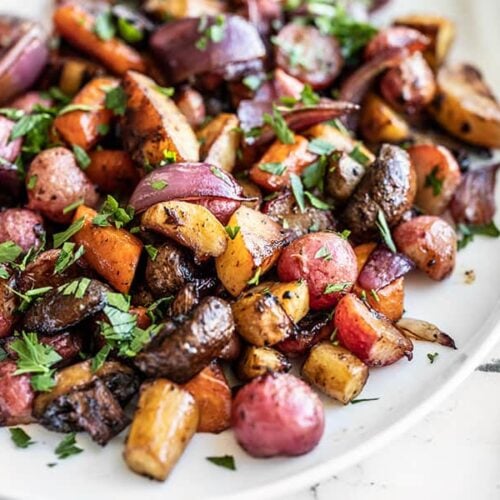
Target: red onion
174,45
357,85
474,199
23,52
9,150
382,268
11,183
299,117
199,183
422,330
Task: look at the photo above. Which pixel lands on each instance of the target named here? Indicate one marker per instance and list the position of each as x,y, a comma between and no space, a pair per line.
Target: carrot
389,300
112,171
293,158
81,127
76,25
111,252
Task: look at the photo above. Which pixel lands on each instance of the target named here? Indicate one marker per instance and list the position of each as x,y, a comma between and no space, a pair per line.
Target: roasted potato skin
257,245
59,183
213,397
153,124
8,305
389,185
430,242
193,226
335,371
180,352
256,361
369,335
466,107
343,175
277,414
388,300
21,226
191,104
165,421
16,395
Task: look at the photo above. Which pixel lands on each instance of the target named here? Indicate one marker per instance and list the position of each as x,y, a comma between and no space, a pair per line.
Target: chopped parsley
280,127
298,191
32,182
81,156
128,31
77,287
467,233
323,253
166,91
67,257
308,96
159,185
232,231
314,174
75,107
320,147
357,155
226,461
152,251
210,32
103,128
255,279
274,168
112,213
73,206
432,356
20,438
432,181
104,27
336,287
385,232
316,202
356,401
374,294
60,238
28,297
67,447
252,82
116,100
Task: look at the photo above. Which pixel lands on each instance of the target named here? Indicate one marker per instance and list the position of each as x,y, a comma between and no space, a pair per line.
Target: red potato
430,242
308,55
396,37
410,86
22,226
323,260
16,395
59,183
9,150
7,309
277,414
369,335
191,104
438,176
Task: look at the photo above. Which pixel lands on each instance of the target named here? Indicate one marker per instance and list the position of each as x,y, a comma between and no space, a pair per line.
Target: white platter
407,391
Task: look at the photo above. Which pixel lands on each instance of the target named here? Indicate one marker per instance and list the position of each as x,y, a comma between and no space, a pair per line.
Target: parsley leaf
314,175
355,401
99,359
116,100
336,287
129,31
385,232
151,251
432,356
31,182
67,257
320,147
255,279
20,438
357,155
226,461
67,447
253,82
308,96
104,26
298,191
468,232
232,231
112,213
9,252
273,168
75,107
166,91
280,127
60,238
158,185
81,156
73,206
323,253
316,202
213,31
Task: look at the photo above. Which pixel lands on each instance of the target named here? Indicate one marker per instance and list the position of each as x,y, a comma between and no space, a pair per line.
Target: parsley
67,447
60,238
298,191
468,232
280,127
76,287
75,107
156,310
374,294
168,157
219,173
112,213
3,354
273,168
336,287
29,296
129,31
432,181
213,32
37,359
35,128
20,438
9,252
12,113
357,155
99,359
151,251
323,253
81,156
103,128
232,231
432,356
345,234
308,96
158,185
58,95
385,232
166,91
314,175
104,27
253,82
355,401
255,279
116,100
32,181
73,206
320,147
67,257
316,202
226,461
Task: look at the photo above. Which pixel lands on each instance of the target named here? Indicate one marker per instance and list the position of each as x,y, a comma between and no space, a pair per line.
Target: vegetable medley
195,194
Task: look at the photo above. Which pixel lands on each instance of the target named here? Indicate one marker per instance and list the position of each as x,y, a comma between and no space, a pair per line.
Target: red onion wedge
382,268
358,84
11,182
474,199
299,117
422,330
23,55
199,183
9,150
180,53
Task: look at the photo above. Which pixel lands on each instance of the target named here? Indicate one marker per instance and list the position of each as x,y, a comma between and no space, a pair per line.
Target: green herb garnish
232,231
67,447
116,100
20,438
81,156
385,232
60,238
226,461
273,168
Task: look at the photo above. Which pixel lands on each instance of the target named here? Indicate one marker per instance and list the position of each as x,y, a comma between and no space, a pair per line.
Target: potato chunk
258,361
154,124
164,423
335,371
191,225
254,249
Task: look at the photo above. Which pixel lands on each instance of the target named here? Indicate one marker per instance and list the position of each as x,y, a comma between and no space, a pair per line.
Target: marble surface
453,453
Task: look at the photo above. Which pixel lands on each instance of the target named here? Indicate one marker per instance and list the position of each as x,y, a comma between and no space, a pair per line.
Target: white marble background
454,453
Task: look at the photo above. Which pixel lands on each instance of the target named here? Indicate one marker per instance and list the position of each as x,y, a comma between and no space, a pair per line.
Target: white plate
470,313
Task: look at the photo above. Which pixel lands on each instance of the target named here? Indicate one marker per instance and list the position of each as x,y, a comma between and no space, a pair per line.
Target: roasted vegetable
22,226
8,304
277,414
344,174
164,423
191,104
466,107
335,371
257,361
16,395
388,300
253,250
154,125
212,394
164,9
